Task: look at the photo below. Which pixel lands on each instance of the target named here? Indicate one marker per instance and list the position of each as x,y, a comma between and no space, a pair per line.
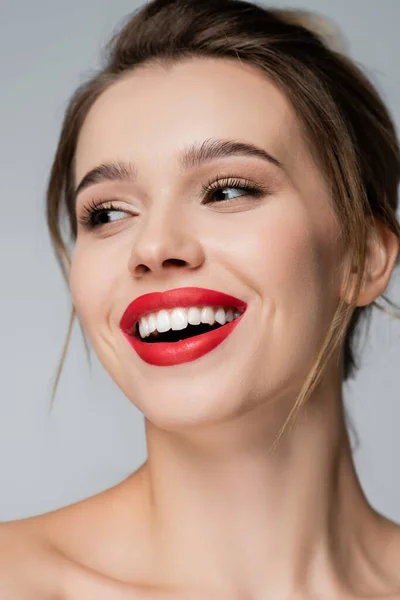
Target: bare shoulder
76,551
39,555
28,566
48,557
379,541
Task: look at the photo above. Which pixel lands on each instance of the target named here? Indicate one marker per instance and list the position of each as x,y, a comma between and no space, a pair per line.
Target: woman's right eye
95,216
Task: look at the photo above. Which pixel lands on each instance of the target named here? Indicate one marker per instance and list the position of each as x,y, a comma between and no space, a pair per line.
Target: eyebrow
191,157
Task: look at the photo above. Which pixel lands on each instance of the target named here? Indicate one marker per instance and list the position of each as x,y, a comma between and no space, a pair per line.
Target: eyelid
99,203
219,181
234,182
229,178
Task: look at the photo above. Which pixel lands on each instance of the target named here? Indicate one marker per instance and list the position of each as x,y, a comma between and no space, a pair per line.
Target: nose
163,241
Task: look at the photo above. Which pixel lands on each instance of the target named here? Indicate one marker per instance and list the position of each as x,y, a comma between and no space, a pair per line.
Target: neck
231,516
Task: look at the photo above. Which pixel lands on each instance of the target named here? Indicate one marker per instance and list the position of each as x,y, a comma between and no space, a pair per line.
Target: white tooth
141,330
194,316
208,315
220,316
229,315
143,327
163,321
152,323
236,314
178,317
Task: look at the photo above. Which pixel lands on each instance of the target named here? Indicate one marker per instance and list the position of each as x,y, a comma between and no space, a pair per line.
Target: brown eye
217,195
216,191
95,215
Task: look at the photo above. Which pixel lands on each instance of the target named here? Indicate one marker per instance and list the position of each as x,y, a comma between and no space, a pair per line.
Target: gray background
94,437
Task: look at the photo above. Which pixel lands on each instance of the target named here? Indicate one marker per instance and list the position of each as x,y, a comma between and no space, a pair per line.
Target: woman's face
275,249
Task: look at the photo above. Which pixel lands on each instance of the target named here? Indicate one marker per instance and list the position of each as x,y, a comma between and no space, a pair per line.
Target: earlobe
382,252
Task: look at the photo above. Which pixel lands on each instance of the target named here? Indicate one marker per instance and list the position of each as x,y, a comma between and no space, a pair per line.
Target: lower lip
165,354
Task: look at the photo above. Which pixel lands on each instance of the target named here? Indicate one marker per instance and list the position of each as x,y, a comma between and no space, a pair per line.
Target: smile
180,325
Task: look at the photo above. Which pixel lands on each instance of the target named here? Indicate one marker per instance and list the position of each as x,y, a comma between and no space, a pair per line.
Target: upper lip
182,297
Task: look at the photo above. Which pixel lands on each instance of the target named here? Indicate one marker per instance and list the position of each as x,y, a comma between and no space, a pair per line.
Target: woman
230,182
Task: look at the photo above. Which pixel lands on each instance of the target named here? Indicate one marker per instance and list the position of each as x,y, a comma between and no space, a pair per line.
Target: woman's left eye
216,192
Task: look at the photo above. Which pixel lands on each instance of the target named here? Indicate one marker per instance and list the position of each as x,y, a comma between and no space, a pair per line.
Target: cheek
92,281
287,258
303,291
283,250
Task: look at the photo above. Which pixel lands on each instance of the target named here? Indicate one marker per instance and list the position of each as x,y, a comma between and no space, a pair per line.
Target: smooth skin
213,513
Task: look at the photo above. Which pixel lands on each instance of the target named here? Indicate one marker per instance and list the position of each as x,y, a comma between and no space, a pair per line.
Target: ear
382,252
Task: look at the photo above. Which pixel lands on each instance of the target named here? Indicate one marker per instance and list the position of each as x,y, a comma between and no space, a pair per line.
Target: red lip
165,353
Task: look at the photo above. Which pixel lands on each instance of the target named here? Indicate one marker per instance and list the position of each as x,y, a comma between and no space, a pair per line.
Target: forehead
152,112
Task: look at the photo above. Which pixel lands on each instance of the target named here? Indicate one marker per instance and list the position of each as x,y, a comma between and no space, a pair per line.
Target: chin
174,406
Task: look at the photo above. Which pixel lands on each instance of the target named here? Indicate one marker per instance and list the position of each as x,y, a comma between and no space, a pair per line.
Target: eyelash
97,207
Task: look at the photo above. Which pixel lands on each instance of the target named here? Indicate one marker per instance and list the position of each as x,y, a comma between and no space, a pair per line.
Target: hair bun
326,30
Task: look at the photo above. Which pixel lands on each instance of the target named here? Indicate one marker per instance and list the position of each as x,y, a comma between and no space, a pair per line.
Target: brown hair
347,125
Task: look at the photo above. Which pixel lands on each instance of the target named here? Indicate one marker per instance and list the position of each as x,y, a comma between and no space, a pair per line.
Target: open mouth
182,323
172,336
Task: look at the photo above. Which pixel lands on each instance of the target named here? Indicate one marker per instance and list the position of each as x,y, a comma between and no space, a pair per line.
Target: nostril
174,262
140,269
